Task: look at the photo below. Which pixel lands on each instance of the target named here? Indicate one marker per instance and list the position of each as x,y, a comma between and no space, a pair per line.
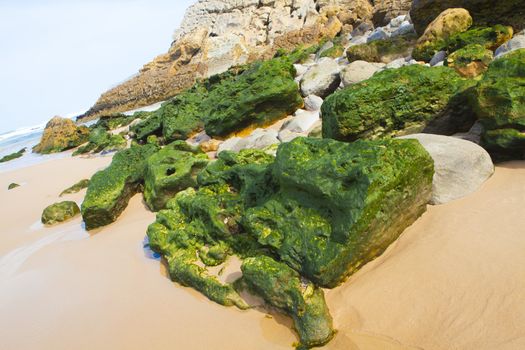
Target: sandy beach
454,280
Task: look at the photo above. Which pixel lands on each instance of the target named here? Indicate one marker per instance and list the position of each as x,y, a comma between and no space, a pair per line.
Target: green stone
499,103
12,156
283,288
400,101
110,189
171,170
60,212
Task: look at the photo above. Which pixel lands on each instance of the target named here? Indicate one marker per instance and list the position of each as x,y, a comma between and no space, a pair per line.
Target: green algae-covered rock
196,221
12,186
259,95
499,103
355,201
334,52
60,212
488,37
110,189
382,50
12,156
283,287
470,61
76,187
183,115
171,170
400,101
151,124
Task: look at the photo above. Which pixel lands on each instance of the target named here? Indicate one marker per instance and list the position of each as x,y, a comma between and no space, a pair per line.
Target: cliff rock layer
218,34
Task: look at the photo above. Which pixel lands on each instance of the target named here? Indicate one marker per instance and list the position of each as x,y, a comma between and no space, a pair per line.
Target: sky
58,56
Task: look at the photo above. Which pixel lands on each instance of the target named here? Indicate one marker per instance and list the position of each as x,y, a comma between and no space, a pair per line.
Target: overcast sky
58,56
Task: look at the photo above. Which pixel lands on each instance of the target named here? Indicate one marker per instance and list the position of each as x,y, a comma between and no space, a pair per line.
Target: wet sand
454,280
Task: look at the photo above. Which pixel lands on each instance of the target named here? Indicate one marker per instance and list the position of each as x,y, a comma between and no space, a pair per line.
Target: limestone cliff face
218,34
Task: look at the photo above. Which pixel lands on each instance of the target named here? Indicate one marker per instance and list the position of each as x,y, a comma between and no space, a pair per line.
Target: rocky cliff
218,34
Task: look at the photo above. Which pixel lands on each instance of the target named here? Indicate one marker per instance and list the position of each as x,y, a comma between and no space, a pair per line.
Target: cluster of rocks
380,120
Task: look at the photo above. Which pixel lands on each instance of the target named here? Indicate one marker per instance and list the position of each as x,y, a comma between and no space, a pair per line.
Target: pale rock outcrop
313,103
461,166
358,71
321,79
218,34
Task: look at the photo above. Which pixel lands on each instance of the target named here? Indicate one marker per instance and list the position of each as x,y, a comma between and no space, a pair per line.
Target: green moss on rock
76,187
59,212
261,94
12,186
399,101
488,37
100,140
283,288
334,52
499,103
110,189
171,170
12,156
355,201
470,61
382,50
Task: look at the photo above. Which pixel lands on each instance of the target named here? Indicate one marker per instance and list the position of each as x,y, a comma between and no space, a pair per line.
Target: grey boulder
461,166
358,71
321,79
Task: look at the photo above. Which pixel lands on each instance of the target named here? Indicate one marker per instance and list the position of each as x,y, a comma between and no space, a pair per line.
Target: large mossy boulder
110,189
261,94
384,51
171,170
283,288
254,95
499,103
61,134
484,12
59,212
356,200
400,101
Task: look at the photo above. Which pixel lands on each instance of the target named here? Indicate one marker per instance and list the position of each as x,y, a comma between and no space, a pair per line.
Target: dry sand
454,280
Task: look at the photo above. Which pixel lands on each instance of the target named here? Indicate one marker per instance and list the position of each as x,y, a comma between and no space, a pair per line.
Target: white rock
358,71
287,135
461,166
259,139
300,69
398,21
321,79
517,42
404,29
313,103
400,62
302,121
438,57
378,34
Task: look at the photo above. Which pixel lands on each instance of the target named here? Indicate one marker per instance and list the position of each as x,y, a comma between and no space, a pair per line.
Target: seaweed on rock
110,189
400,101
316,230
